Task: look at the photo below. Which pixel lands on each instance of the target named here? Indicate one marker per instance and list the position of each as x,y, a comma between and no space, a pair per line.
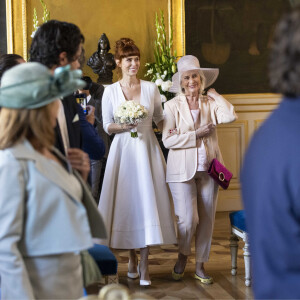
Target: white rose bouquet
130,112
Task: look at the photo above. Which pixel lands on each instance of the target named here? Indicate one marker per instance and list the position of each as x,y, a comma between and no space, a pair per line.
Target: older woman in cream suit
189,133
47,213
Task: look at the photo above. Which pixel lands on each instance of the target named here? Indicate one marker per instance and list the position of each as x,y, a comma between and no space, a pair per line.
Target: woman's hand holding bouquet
130,113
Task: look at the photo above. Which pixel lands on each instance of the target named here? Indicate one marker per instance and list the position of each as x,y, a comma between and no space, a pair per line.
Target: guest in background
270,175
47,212
94,94
57,44
8,61
189,133
134,199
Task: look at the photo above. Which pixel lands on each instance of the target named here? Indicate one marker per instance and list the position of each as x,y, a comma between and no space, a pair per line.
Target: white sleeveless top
202,158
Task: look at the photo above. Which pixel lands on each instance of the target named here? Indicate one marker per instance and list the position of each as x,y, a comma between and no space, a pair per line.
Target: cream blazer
182,157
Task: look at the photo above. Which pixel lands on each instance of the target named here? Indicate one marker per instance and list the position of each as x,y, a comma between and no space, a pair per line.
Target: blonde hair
19,124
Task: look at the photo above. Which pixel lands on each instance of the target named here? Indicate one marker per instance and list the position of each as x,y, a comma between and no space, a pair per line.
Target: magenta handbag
219,173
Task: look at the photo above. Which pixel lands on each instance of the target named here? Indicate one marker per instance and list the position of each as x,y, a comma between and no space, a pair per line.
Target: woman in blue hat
47,213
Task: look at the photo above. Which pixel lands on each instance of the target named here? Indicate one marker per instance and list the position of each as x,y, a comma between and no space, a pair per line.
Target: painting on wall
234,36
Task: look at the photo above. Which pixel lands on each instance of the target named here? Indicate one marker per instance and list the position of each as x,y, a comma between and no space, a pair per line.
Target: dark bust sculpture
102,62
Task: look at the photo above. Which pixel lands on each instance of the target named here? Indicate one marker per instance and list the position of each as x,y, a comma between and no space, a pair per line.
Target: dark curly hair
53,38
8,61
284,65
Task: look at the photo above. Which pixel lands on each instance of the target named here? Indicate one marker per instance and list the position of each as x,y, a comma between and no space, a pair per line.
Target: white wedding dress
134,202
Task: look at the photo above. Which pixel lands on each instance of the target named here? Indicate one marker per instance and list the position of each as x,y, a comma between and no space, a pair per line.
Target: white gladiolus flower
163,98
165,86
170,83
33,33
158,82
163,76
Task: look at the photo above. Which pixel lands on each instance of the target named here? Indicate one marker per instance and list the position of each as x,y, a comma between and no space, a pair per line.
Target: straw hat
188,63
31,85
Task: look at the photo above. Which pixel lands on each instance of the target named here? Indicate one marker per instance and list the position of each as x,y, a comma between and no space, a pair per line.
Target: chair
106,262
238,231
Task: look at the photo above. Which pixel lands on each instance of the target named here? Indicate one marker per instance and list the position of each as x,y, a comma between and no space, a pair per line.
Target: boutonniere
76,118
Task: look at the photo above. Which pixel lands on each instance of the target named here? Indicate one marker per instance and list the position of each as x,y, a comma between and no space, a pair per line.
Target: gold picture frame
177,14
16,18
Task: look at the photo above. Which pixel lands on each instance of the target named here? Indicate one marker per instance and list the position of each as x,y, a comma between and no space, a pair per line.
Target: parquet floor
162,260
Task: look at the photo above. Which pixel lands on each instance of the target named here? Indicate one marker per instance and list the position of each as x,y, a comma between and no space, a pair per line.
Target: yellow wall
116,18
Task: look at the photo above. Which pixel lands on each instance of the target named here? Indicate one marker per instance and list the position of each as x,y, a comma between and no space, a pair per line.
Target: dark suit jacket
96,92
70,109
81,134
92,143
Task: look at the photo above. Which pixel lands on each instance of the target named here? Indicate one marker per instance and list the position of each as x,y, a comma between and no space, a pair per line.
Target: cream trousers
195,207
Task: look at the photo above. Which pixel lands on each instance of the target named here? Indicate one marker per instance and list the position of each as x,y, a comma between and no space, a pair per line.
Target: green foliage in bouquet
164,67
46,17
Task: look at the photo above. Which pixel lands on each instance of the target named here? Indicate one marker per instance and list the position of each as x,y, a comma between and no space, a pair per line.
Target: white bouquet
130,112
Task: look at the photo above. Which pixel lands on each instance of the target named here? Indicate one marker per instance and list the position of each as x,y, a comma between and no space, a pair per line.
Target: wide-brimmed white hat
188,63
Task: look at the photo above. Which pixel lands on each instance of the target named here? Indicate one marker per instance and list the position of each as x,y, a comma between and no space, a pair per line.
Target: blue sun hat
31,85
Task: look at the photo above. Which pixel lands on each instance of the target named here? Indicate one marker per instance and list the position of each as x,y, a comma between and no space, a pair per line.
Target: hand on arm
80,161
205,130
223,111
212,94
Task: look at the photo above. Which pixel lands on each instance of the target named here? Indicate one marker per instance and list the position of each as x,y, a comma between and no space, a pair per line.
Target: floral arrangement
164,67
130,112
46,17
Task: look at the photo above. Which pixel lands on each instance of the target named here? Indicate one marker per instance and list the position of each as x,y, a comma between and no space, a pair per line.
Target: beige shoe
177,276
205,280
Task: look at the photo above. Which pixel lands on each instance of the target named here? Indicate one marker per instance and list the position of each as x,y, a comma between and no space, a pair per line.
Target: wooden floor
162,260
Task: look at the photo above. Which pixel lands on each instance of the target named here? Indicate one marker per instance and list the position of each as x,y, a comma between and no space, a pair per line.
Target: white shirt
88,98
61,118
202,158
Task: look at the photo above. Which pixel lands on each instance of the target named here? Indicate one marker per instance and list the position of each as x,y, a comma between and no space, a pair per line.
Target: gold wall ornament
24,28
16,24
9,26
177,13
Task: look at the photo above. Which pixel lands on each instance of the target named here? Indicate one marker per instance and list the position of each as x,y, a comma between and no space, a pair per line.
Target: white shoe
134,275
142,281
145,282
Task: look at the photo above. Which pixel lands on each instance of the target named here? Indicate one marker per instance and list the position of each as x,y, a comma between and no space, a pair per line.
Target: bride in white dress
134,201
